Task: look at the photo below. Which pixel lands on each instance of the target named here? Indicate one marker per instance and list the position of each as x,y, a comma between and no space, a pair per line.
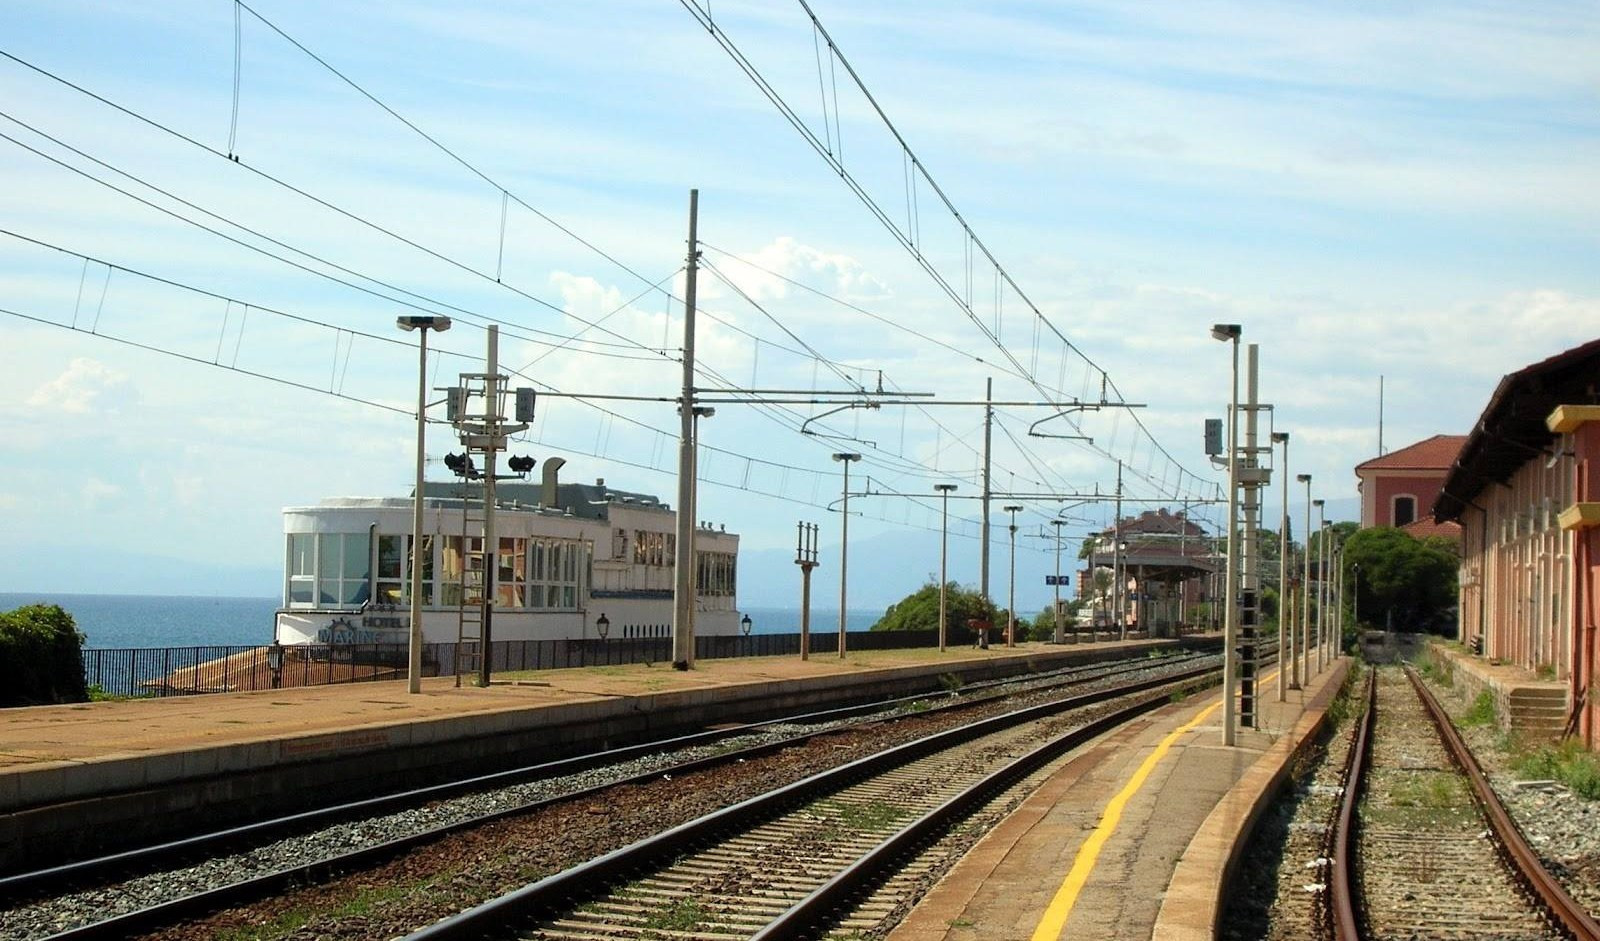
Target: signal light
521,465
461,465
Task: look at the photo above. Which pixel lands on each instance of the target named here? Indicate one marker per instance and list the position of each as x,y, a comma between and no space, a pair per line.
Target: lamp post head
1012,508
602,625
1303,478
1318,503
435,322
745,625
1226,331
1280,437
847,456
944,488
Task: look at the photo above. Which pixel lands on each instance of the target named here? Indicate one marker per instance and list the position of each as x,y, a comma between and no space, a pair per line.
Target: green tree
40,657
1405,581
919,611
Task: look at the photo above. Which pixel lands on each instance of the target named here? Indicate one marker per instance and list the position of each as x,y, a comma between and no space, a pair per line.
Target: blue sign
1058,579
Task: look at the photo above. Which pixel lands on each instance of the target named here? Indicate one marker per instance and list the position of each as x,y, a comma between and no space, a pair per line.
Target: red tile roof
1435,453
1425,527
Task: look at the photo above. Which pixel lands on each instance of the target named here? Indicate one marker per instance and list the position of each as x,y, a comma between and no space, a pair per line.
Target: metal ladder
469,620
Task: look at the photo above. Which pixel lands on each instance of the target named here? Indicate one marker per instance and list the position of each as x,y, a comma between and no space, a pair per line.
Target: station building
1525,490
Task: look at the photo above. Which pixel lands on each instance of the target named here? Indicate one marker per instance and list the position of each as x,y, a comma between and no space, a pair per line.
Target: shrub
40,657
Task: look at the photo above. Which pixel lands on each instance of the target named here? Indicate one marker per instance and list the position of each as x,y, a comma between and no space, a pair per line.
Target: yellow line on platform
1055,916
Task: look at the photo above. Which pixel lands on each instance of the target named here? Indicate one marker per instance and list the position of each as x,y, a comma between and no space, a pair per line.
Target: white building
568,554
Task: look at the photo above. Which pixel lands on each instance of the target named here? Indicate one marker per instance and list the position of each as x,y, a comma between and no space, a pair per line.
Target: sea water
118,621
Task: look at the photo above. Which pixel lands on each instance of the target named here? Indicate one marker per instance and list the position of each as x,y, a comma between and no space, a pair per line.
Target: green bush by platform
40,657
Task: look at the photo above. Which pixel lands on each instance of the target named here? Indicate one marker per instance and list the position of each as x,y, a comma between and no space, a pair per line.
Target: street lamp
944,558
844,457
1322,582
602,626
1355,595
275,663
422,324
1305,587
1230,333
1285,636
745,624
1011,604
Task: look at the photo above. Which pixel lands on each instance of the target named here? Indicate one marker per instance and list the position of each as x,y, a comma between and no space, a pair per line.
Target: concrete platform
1536,709
1132,837
71,774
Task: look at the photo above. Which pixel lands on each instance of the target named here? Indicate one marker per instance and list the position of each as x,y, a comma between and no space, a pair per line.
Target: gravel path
1561,826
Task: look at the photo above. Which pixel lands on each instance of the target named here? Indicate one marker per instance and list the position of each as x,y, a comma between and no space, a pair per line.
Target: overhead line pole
983,557
683,555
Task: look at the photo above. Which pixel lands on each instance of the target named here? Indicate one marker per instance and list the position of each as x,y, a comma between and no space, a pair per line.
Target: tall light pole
1322,583
1011,603
1305,586
1355,596
1230,332
844,457
422,324
1285,637
944,559
1059,635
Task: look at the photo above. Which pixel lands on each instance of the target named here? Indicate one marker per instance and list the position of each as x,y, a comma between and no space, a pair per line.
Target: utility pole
1250,594
1118,581
805,556
491,566
983,556
683,590
1059,635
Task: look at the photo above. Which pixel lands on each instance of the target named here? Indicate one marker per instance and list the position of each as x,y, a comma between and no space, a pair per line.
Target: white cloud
86,386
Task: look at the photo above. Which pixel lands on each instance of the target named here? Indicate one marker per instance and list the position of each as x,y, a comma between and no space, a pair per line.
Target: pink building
1399,488
1526,493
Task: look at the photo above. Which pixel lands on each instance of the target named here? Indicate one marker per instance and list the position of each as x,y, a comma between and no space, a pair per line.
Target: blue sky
1371,190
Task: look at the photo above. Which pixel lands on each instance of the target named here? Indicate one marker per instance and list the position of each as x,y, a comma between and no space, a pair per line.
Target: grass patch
950,682
1481,713
1177,695
1568,762
684,915
1435,674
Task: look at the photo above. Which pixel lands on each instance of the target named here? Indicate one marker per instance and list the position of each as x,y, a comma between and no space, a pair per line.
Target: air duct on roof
552,468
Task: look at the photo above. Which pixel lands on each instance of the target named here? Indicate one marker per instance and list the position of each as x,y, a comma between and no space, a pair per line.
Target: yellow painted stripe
1055,916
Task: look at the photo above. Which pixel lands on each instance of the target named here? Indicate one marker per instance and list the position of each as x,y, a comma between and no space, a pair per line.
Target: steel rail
100,869
256,887
561,890
1525,863
1342,894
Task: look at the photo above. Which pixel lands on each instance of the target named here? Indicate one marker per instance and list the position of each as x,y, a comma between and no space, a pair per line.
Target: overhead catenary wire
907,237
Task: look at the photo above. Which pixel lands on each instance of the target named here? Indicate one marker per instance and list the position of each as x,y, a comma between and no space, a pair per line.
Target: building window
329,570
716,573
557,572
394,570
302,569
510,586
1405,510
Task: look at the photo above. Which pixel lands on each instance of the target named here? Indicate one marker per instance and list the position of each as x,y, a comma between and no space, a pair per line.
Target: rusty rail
1341,894
1524,861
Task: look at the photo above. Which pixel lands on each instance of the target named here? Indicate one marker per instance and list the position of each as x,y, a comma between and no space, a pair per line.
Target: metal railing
183,671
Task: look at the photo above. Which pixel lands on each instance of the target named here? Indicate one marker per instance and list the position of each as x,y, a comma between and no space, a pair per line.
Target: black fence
182,671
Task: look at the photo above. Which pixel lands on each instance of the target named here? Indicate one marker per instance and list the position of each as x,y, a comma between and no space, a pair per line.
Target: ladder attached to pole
474,578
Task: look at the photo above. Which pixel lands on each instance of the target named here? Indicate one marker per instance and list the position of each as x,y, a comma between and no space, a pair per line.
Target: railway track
799,860
142,890
1422,847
